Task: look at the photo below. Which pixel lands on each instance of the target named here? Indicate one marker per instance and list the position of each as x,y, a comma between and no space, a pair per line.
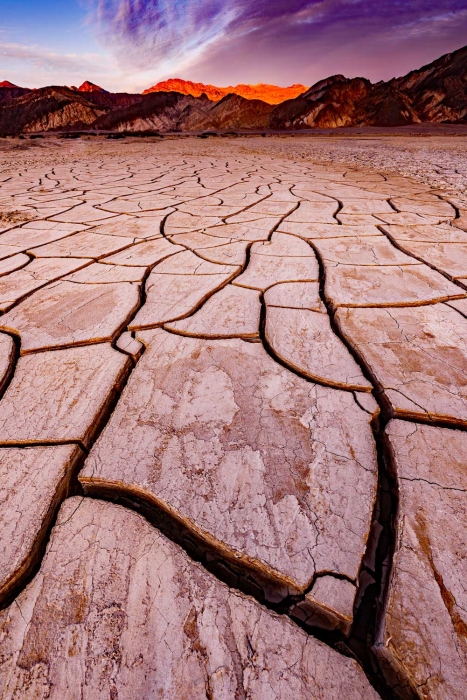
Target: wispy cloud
231,36
436,25
45,58
162,32
230,41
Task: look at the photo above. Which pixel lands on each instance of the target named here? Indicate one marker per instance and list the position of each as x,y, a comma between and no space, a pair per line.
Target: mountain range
435,93
272,94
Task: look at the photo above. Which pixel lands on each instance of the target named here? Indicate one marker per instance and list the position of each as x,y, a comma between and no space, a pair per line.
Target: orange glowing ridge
267,93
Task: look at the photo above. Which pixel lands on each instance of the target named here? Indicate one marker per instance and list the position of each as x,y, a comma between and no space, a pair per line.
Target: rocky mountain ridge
272,94
87,86
435,93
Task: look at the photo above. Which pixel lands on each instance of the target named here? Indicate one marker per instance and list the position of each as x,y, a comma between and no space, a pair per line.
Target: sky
129,45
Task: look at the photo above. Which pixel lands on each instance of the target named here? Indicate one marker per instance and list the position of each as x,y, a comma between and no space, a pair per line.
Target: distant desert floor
233,414
436,155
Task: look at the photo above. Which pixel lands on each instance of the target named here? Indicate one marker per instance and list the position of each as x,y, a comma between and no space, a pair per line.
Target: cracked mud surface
233,411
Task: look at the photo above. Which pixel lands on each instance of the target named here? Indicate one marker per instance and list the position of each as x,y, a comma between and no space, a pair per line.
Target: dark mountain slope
438,90
434,93
113,100
104,98
173,111
327,104
385,105
232,112
46,109
159,111
10,93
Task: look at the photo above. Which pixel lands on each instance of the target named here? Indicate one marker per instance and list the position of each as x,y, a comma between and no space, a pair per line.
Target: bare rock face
132,616
423,633
59,118
438,89
87,86
44,109
8,91
272,94
434,93
232,112
327,104
163,111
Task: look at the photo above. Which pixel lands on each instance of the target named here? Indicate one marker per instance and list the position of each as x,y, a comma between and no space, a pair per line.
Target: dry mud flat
232,428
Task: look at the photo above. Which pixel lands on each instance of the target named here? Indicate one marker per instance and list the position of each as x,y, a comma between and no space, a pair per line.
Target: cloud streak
159,32
45,58
241,38
224,41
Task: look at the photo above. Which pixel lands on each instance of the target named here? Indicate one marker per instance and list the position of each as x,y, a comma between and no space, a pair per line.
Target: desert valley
233,370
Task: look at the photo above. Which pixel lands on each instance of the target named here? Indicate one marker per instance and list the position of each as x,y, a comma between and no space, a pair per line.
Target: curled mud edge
375,572
235,571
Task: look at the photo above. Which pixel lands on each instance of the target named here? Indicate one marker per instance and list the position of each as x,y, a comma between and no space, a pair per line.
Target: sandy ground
436,159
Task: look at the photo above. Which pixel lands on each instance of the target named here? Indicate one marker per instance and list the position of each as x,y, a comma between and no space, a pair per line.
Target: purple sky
131,44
